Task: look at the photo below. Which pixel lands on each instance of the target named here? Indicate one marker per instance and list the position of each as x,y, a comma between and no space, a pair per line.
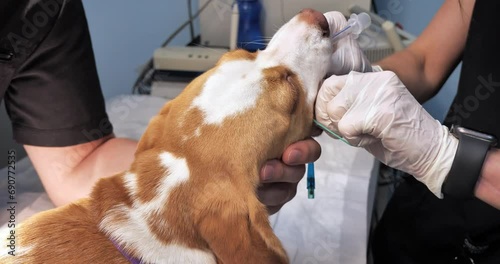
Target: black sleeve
54,98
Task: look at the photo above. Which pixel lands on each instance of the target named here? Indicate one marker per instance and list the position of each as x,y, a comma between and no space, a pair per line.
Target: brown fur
216,210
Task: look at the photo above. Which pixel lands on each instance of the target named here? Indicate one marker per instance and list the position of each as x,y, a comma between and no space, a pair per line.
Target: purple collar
127,256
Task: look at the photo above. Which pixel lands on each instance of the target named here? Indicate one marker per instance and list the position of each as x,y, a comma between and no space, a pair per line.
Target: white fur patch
233,88
19,251
24,250
130,180
301,47
135,233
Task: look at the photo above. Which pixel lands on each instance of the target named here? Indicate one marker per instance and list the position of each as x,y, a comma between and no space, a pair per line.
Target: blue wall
126,32
414,16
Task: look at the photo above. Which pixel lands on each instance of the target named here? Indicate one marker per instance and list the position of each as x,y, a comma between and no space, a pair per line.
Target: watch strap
466,167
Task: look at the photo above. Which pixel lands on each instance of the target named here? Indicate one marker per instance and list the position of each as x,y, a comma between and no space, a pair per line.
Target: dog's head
250,106
196,168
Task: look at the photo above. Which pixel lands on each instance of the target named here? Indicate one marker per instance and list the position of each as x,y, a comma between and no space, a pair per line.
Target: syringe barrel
355,25
359,22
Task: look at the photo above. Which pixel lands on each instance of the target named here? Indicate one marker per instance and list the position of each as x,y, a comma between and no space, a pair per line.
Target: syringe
355,25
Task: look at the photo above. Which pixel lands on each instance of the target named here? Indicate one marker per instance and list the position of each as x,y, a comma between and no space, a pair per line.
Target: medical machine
218,20
215,20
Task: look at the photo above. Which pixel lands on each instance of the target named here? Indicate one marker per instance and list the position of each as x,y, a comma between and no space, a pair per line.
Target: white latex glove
377,112
347,56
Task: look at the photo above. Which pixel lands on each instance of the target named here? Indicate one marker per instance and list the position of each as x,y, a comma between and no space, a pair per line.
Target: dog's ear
237,237
259,223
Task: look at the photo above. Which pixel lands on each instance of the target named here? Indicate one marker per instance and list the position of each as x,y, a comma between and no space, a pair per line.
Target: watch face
475,134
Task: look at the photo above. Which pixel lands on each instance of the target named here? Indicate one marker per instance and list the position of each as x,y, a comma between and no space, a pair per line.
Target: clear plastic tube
355,25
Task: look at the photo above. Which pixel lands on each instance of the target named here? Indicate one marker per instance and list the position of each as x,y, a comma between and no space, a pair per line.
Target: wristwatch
469,158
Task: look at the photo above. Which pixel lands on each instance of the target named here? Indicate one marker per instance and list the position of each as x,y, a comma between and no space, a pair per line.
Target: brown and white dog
190,194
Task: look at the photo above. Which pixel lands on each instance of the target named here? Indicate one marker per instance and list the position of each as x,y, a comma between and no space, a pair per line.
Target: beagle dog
190,194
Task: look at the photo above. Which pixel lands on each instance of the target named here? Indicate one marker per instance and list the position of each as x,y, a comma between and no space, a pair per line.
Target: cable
374,5
190,14
147,72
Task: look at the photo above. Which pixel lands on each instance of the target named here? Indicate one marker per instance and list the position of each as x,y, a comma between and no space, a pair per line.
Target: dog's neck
129,204
214,159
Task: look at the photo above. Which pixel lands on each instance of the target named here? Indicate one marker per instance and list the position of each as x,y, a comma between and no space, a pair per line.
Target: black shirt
48,76
417,227
477,103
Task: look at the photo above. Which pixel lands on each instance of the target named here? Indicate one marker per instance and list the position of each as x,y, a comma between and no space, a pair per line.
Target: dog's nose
314,17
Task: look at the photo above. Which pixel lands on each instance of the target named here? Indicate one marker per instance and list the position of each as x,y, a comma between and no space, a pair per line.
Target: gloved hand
377,112
347,56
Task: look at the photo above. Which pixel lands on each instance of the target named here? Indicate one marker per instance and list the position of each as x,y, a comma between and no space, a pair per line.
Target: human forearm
112,157
488,186
69,173
426,64
409,67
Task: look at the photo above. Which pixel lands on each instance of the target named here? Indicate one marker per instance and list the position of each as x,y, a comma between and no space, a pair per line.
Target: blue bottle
249,32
